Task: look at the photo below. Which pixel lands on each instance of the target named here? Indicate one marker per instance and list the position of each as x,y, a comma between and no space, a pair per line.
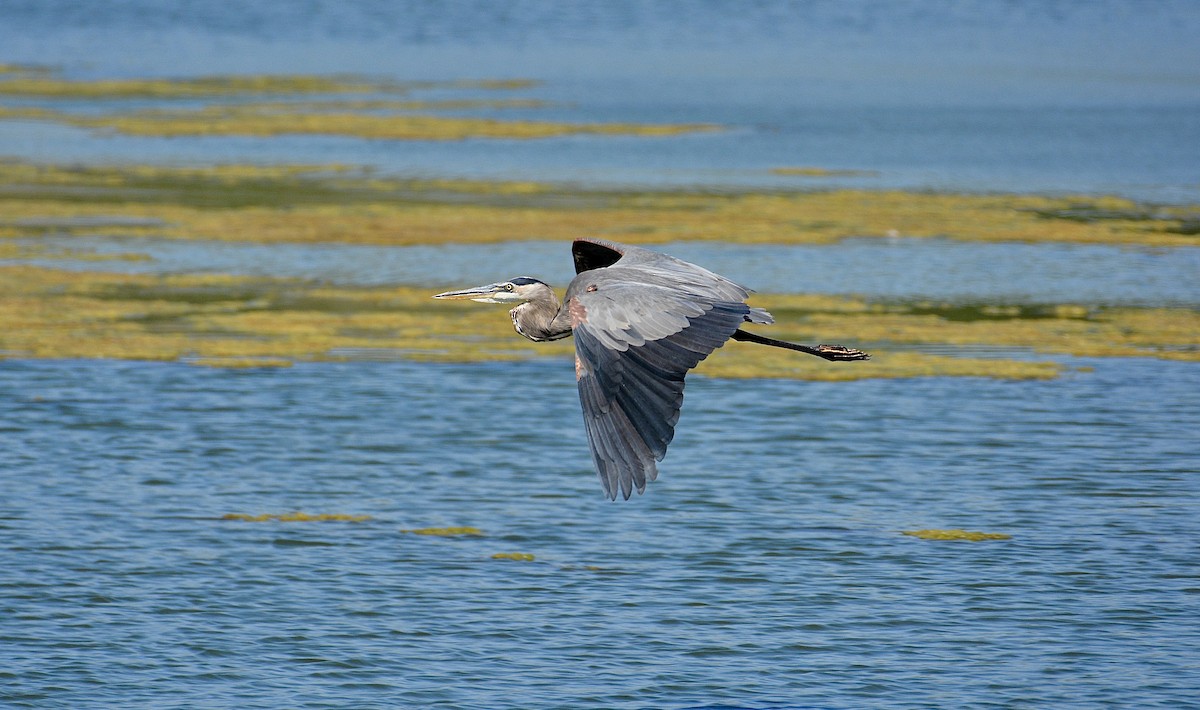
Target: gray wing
639,326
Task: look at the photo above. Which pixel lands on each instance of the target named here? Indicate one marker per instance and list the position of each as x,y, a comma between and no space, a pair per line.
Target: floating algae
246,517
956,534
518,556
297,517
460,531
48,84
8,70
230,321
370,118
227,321
287,120
220,320
343,204
394,105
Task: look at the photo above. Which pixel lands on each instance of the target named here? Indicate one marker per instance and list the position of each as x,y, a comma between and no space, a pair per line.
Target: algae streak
368,117
227,321
346,204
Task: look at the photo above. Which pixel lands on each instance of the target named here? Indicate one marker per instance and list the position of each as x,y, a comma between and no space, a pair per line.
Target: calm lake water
766,567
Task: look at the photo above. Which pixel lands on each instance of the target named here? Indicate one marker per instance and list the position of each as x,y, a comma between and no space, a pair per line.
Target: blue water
765,566
875,268
1091,97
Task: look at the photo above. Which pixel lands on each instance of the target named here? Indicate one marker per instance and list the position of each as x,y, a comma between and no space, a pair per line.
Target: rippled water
1094,97
765,565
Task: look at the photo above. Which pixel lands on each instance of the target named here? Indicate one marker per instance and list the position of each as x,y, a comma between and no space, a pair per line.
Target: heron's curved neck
539,319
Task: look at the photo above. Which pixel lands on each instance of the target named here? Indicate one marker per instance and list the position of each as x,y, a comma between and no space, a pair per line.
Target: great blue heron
641,320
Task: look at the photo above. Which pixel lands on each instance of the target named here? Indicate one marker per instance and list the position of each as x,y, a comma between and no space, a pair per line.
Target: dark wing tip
595,254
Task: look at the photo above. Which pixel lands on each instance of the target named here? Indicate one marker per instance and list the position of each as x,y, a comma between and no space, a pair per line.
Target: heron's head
518,290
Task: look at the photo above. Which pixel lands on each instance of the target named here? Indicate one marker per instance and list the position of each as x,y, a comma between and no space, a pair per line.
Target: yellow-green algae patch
338,203
370,118
956,534
41,81
224,321
460,531
284,119
297,517
48,84
28,113
9,70
341,105
517,556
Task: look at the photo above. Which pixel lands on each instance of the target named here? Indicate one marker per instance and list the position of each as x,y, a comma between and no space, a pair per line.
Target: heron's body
641,321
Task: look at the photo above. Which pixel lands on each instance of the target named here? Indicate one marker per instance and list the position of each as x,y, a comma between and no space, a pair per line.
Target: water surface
1021,96
876,268
765,566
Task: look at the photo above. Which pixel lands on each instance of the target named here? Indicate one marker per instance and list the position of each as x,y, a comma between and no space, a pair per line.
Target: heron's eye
508,287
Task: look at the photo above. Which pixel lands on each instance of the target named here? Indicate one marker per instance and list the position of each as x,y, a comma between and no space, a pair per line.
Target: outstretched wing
640,324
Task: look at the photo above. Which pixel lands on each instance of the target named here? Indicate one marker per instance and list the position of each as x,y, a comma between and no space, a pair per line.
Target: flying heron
641,320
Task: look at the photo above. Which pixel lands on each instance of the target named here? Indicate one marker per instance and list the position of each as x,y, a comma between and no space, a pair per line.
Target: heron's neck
539,320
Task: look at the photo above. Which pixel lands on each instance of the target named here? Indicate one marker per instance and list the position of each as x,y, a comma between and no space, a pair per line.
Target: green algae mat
345,204
229,321
273,105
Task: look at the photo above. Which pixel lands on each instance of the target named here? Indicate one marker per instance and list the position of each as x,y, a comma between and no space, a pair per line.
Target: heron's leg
833,353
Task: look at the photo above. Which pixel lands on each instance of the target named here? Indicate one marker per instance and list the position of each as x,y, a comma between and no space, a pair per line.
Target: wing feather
631,397
641,321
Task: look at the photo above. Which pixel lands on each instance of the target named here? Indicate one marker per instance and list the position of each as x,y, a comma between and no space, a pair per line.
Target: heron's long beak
482,294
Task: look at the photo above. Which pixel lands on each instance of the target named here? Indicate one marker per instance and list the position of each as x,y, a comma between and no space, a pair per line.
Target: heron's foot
837,353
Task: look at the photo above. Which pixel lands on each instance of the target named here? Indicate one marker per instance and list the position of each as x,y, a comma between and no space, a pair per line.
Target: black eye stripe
525,281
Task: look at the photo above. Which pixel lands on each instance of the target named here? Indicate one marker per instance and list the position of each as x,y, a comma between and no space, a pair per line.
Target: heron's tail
759,315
